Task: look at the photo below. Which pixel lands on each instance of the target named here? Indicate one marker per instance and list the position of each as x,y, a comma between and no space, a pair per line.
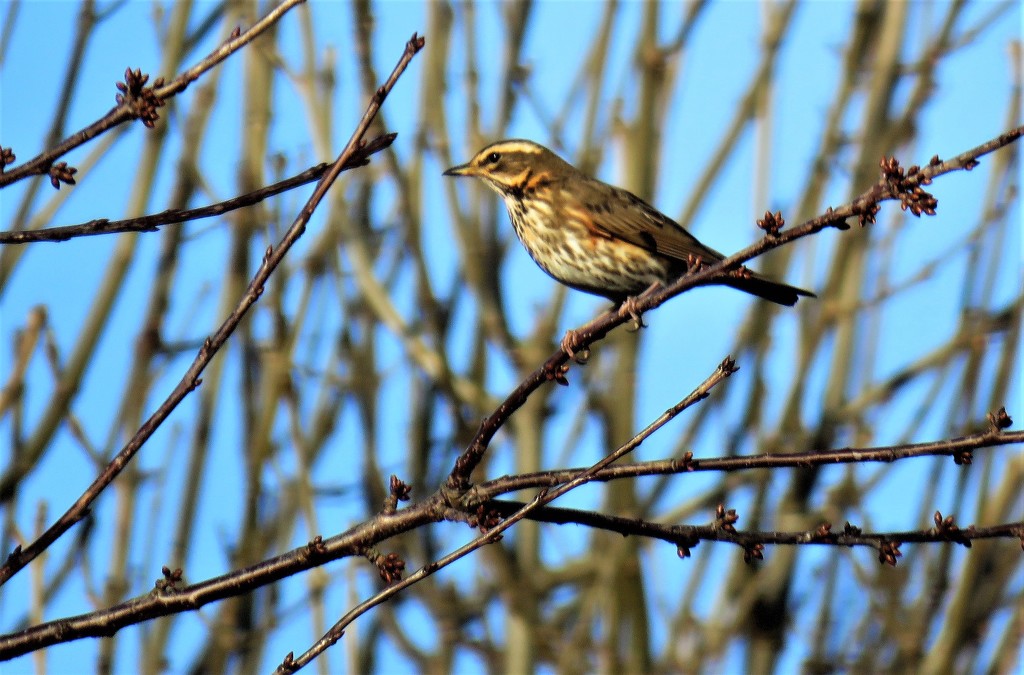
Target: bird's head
514,166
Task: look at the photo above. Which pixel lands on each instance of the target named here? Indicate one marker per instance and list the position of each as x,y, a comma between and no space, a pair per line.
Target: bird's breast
570,248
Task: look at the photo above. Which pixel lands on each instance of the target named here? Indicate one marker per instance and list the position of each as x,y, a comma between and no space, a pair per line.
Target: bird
595,237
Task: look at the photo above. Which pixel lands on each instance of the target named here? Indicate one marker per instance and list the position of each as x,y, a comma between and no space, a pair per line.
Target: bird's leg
630,307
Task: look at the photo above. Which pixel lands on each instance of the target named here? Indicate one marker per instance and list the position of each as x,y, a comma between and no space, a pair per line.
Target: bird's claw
629,308
572,344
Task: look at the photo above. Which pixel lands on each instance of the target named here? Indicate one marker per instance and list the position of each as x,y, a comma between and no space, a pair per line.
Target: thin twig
152,222
190,380
959,448
125,111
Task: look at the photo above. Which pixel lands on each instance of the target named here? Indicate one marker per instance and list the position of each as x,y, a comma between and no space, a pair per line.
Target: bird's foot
572,344
631,307
637,320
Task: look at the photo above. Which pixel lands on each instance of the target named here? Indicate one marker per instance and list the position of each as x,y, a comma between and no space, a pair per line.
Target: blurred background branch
408,311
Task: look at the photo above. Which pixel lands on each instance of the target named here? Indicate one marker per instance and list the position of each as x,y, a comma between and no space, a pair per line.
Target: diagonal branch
152,223
685,537
291,664
355,148
961,449
894,185
127,110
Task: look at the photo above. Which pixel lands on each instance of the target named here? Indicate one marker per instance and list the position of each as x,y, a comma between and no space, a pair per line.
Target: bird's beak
460,170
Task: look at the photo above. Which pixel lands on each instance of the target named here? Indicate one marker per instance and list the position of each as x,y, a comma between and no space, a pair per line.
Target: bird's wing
623,215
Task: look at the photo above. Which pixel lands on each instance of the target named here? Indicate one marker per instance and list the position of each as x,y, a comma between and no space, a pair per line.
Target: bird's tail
773,291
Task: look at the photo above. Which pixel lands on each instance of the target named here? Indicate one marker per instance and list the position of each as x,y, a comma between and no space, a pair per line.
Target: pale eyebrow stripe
514,146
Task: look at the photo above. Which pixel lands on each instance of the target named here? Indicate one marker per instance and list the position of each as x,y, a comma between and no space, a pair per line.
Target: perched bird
592,236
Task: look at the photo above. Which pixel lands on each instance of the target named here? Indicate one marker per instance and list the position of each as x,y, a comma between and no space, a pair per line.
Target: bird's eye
492,158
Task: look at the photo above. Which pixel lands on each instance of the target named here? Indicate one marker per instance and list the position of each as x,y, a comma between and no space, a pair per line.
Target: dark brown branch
273,257
960,449
152,223
391,522
687,536
291,663
167,600
128,109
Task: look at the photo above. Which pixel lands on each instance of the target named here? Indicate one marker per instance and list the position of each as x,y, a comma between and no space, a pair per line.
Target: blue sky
686,338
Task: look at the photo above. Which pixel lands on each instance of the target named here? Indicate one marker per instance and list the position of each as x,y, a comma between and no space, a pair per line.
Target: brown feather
593,236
